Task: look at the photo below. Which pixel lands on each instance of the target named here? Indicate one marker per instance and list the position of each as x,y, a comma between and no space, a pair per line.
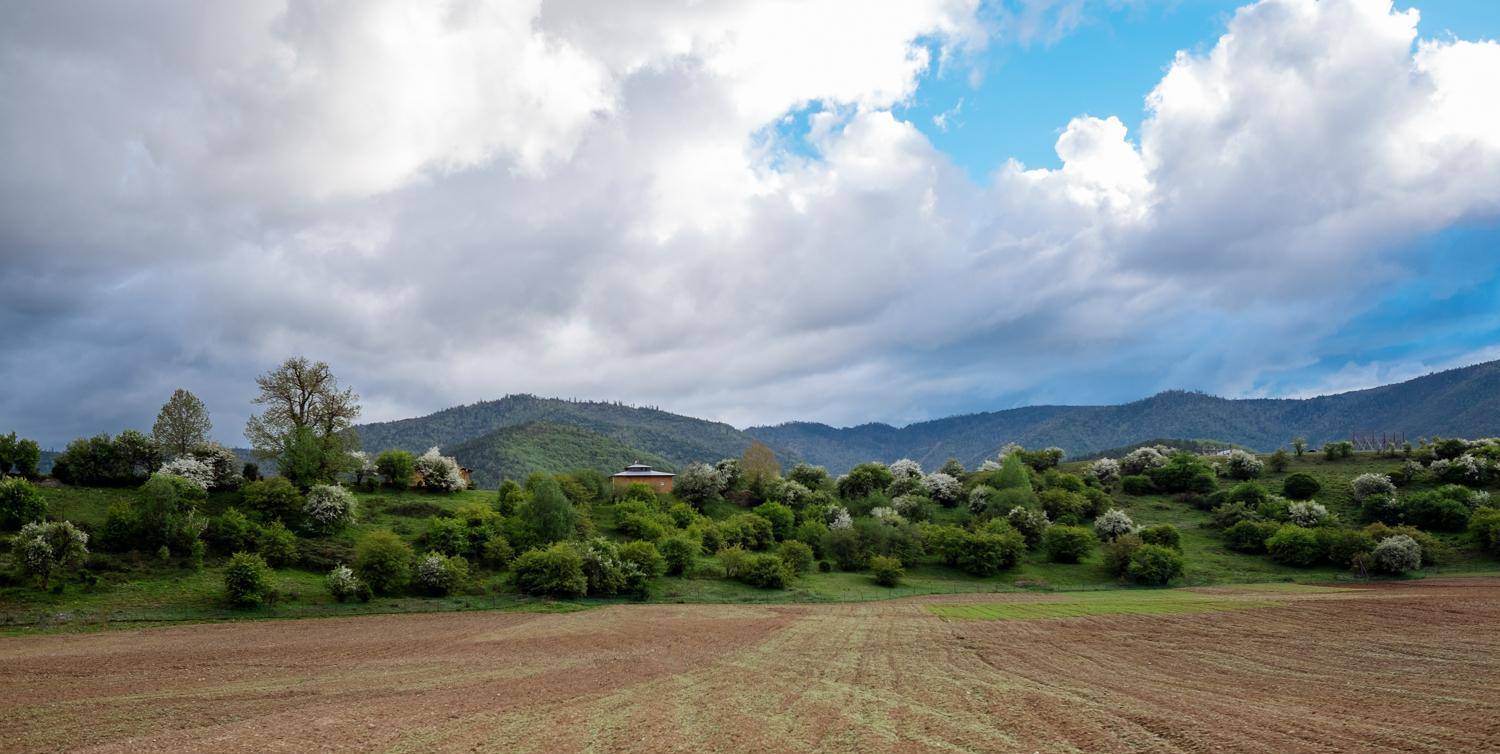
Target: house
637,472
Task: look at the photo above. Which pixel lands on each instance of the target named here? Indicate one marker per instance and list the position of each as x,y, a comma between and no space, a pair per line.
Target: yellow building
637,472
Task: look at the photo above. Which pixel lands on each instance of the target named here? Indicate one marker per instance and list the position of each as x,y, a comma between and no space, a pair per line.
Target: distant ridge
1462,402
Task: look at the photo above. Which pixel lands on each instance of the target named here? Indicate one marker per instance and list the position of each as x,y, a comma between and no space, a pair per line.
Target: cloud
458,200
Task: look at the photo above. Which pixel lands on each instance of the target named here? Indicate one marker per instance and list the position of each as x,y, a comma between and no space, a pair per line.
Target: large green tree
302,399
182,424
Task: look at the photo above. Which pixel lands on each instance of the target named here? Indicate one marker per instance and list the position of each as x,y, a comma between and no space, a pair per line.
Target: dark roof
641,469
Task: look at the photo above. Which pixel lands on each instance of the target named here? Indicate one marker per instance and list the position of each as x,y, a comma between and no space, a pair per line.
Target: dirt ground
1413,666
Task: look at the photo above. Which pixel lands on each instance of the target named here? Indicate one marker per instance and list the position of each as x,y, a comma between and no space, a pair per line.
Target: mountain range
519,434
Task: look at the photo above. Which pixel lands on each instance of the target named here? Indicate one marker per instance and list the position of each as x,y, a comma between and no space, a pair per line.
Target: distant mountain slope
676,439
1460,402
514,452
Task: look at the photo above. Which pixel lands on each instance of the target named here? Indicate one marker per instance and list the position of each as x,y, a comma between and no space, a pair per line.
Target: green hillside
514,452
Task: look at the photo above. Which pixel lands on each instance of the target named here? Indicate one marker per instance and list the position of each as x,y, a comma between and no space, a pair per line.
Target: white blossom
1105,470
942,488
439,472
329,507
1306,514
1140,460
886,515
1397,554
1366,485
1242,465
1112,524
190,468
839,518
906,469
989,465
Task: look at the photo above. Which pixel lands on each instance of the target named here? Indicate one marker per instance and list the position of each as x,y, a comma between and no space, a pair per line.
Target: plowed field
1413,666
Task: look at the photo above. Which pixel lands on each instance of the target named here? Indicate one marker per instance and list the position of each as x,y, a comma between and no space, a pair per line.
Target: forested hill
1460,402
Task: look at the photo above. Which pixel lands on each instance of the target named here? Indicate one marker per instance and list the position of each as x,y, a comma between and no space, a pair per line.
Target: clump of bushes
1366,485
437,472
680,552
1294,545
1033,524
1068,544
384,561
1165,535
1307,514
764,570
1484,527
798,556
556,571
887,571
344,585
1300,486
1397,555
1154,565
20,503
1338,450
1113,524
45,549
247,580
1239,464
437,575
1249,536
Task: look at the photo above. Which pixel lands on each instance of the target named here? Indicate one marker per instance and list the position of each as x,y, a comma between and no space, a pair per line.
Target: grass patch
1086,604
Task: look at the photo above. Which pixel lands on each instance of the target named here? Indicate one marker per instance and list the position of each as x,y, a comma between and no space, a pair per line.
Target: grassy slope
148,591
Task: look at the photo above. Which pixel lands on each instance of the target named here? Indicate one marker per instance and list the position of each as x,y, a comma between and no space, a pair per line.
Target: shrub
165,513
1113,523
20,503
765,571
1154,565
1105,471
1279,460
1397,555
496,551
1303,513
1165,535
247,580
1068,544
232,532
782,519
645,557
384,561
1030,522
747,530
1484,527
1432,510
1334,451
437,575
912,507
1064,507
556,571
45,549
328,508
447,535
986,553
345,586
1249,493
680,552
797,556
1117,554
277,544
864,480
1383,508
905,468
546,516
944,489
1300,486
1137,484
1012,474
699,484
1342,546
1241,465
1249,536
887,571
1228,515
1141,460
437,472
1294,545
274,499
1433,550
1366,485
191,469
845,548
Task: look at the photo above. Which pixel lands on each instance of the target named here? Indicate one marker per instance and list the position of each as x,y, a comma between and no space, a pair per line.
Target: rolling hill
1461,402
514,452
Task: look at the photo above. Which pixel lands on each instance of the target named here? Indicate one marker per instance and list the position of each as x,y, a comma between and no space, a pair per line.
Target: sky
829,210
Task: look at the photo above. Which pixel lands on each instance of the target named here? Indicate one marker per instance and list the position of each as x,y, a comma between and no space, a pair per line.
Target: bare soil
1412,666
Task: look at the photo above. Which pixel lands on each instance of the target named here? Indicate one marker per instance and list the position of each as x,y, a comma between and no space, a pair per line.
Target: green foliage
274,499
1279,460
782,518
1397,555
1341,546
1068,544
165,513
277,544
303,458
1137,484
1117,554
987,553
556,571
765,570
747,530
247,580
1484,527
844,548
1165,535
1012,474
1030,522
1065,507
1295,546
512,495
1433,550
384,561
1249,536
646,558
546,516
395,467
811,477
1184,472
344,585
20,503
1154,565
680,551
1432,509
887,571
437,575
864,480
1300,486
798,556
19,455
45,549
102,461
1338,450
448,536
232,532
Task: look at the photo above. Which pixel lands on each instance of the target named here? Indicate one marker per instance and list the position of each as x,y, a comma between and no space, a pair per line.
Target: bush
1241,465
546,515
1484,527
277,544
438,473
680,552
765,571
1300,486
747,530
986,553
1184,472
345,586
1366,485
1113,523
166,513
1065,507
556,571
1249,493
1068,544
45,549
1137,484
1433,550
396,468
247,580
1250,536
699,484
845,548
1303,513
1383,508
1338,450
1165,535
437,575
1397,555
20,503
1279,460
1141,460
384,561
232,532
1117,554
1030,522
943,488
1105,471
328,508
781,517
645,557
1342,546
274,499
1430,509
1294,545
887,571
797,556
1154,565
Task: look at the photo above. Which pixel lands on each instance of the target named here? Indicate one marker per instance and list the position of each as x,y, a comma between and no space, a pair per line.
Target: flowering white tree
1242,465
344,585
1140,460
699,483
942,488
43,549
329,507
988,466
362,466
793,494
906,469
1307,514
1113,524
1366,485
980,497
839,518
439,472
190,468
1397,554
886,515
1105,470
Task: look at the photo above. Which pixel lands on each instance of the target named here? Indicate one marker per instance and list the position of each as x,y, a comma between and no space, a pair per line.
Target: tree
19,454
396,467
44,549
547,514
304,396
759,465
20,504
182,423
